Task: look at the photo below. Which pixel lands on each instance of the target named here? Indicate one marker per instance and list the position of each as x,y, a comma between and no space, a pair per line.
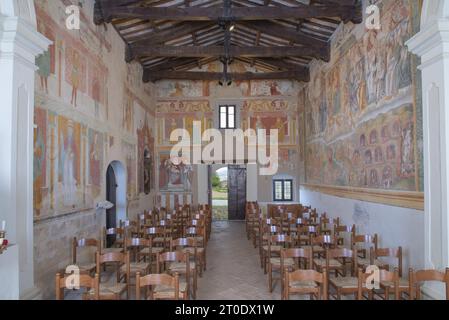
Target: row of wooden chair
147,246
303,240
177,260
314,283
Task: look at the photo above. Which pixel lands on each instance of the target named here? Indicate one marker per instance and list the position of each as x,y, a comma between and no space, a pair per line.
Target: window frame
228,107
283,182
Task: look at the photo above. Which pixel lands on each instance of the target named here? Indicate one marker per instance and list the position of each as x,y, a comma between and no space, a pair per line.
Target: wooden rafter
279,37
106,11
194,75
217,51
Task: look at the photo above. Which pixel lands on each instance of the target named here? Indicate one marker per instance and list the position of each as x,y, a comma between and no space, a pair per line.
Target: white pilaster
432,45
20,43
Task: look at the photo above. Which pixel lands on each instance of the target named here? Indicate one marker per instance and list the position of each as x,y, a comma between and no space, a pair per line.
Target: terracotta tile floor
233,267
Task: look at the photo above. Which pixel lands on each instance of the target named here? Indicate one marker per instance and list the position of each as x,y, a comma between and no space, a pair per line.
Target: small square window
283,190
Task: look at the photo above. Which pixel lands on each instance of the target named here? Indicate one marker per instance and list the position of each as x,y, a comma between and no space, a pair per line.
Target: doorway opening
116,194
228,192
219,184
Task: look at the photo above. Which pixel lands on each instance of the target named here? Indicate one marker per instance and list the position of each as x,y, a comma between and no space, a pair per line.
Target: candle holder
3,243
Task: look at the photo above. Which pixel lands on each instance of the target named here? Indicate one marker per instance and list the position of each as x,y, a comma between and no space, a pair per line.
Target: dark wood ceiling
170,38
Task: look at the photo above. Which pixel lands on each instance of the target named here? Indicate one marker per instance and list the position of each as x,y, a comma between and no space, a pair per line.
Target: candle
3,225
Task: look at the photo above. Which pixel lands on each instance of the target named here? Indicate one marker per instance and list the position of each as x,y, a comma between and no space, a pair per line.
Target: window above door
227,117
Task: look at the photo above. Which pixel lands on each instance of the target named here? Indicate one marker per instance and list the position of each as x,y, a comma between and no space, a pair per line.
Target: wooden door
236,192
111,196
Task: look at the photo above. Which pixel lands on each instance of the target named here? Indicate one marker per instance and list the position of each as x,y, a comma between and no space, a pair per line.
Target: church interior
224,150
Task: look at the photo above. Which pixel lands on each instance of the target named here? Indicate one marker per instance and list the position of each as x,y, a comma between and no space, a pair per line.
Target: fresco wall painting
360,110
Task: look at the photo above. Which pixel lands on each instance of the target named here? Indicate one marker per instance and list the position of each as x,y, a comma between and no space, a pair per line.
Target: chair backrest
339,229
154,232
344,253
85,281
365,238
152,280
122,258
137,243
308,275
144,219
195,223
299,222
326,221
417,278
361,241
183,243
173,256
127,224
118,232
388,253
384,276
309,230
83,243
297,253
324,240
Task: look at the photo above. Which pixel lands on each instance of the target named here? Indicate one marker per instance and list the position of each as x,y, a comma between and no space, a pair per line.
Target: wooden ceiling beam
277,30
194,75
217,51
106,11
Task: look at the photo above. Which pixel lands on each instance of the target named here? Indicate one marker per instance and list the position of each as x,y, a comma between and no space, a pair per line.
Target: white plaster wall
395,226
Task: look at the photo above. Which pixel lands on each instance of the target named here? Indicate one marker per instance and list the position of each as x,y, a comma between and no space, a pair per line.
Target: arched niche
121,202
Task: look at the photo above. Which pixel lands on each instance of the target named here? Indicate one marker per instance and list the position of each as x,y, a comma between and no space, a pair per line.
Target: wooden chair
305,282
135,246
376,259
196,231
360,242
417,278
328,224
114,291
293,259
306,234
90,284
319,244
144,220
177,262
265,234
343,231
190,245
131,228
158,238
275,244
118,235
296,225
251,221
342,283
313,217
161,287
384,276
285,222
88,267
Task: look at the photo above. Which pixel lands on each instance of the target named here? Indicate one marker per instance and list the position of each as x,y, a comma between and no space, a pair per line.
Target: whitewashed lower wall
395,226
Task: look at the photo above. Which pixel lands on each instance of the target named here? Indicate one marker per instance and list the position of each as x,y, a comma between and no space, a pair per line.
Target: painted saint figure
75,76
68,157
94,161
